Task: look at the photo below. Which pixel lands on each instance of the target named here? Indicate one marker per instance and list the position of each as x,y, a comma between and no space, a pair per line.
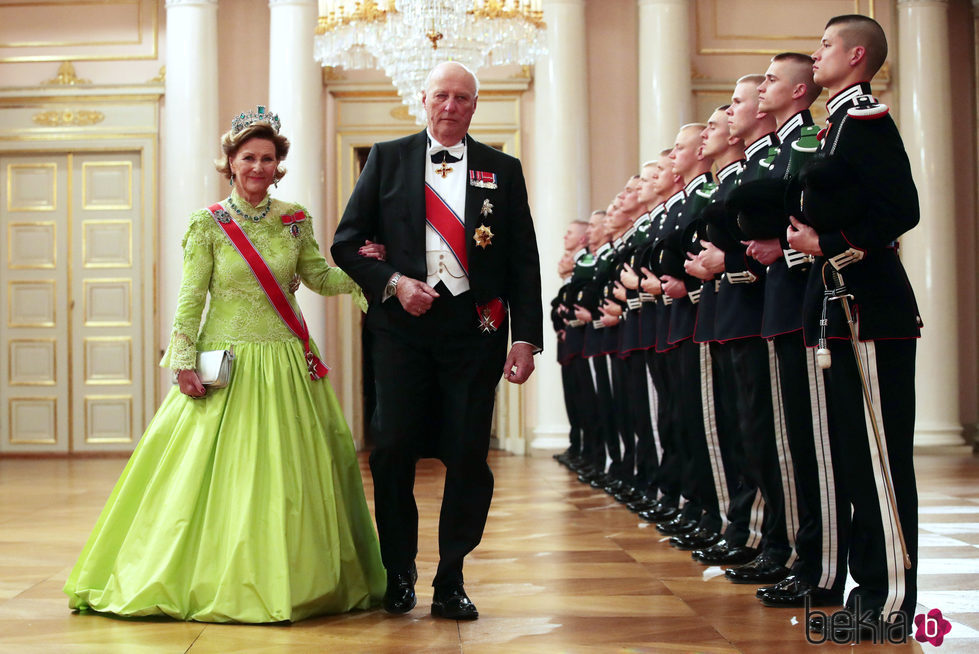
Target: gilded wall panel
67,30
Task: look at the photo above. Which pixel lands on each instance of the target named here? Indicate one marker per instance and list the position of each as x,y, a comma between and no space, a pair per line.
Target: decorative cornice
943,3
66,76
190,3
67,117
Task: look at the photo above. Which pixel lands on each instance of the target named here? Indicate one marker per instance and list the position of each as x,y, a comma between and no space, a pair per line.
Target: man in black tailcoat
462,266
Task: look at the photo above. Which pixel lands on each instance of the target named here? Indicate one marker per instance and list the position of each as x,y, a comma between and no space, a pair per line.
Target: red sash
293,319
448,225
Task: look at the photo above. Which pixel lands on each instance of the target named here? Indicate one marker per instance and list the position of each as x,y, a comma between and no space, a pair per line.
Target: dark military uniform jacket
858,194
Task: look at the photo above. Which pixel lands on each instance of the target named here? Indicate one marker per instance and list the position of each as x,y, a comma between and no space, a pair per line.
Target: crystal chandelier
407,38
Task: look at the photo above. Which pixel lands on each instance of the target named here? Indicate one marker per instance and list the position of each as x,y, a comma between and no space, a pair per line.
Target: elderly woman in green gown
244,503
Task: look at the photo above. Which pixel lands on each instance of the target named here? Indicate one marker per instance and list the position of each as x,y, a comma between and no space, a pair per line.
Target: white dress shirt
442,265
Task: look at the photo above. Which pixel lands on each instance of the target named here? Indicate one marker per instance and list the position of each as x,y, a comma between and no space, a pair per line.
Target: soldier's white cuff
694,295
795,258
633,303
745,277
844,259
575,323
646,297
598,324
667,300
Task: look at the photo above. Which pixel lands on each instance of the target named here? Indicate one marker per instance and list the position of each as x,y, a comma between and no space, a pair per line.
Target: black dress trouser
436,378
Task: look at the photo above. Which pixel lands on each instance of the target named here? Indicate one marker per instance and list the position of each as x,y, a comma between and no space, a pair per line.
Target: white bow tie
456,150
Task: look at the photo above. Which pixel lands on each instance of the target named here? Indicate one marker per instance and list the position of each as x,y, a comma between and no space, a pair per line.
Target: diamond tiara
243,120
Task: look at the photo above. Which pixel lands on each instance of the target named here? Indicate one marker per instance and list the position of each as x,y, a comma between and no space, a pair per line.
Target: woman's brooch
293,219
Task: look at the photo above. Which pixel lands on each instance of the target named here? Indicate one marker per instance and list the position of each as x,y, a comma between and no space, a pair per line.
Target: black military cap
720,226
825,195
759,207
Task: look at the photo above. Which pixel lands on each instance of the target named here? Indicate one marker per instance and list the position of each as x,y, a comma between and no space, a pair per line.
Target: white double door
74,335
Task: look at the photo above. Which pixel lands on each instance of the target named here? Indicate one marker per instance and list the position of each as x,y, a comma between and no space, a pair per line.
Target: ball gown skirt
244,506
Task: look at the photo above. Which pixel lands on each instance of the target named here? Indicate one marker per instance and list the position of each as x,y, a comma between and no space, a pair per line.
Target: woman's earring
275,180
231,181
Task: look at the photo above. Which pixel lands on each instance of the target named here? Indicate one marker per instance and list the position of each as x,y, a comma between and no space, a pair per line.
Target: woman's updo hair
232,141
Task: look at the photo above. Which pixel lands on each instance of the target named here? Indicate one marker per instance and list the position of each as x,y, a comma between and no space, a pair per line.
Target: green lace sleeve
181,353
319,275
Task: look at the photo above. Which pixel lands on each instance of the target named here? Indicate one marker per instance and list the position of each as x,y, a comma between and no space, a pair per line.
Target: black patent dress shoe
614,486
696,539
792,592
586,475
643,503
679,525
660,513
723,553
452,603
762,570
626,495
399,597
601,481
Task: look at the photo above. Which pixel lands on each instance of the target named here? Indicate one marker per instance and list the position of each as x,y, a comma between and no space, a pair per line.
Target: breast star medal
483,236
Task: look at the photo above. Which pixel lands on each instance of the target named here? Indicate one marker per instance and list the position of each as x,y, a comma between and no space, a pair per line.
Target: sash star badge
483,236
487,208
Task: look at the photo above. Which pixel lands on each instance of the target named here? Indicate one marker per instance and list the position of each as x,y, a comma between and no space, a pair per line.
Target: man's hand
416,297
674,288
611,308
582,314
619,292
712,258
190,384
803,238
629,278
373,250
519,363
608,319
696,269
650,283
765,252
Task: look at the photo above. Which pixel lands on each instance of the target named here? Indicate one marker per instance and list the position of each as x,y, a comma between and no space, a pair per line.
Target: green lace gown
247,505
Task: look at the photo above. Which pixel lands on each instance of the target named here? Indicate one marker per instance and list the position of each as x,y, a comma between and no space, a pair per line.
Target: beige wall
728,39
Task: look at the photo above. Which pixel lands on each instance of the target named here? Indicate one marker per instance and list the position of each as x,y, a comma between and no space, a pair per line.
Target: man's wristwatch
391,289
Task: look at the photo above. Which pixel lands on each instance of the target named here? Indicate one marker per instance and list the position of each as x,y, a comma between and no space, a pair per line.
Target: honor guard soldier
701,512
638,422
819,571
571,341
663,218
856,198
587,310
743,356
736,493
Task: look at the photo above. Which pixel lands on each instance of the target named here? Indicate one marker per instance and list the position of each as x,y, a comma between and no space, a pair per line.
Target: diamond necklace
268,205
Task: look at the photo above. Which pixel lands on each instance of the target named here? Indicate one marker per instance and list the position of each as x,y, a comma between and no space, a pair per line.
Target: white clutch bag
214,367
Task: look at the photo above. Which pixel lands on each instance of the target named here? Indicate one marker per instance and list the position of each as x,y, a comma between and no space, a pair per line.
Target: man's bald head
450,101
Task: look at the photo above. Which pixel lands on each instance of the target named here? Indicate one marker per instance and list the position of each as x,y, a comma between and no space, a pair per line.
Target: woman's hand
373,250
190,384
294,284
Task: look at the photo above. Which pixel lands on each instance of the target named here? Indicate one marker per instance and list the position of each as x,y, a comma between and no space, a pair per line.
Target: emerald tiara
243,120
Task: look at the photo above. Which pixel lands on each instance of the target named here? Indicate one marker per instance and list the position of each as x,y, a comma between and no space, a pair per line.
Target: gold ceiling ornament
67,117
66,76
407,38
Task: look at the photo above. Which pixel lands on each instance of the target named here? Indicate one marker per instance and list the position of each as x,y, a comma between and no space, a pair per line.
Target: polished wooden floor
562,568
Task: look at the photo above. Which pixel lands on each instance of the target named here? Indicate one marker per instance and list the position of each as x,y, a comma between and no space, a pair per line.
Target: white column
665,101
928,251
562,183
191,136
296,94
